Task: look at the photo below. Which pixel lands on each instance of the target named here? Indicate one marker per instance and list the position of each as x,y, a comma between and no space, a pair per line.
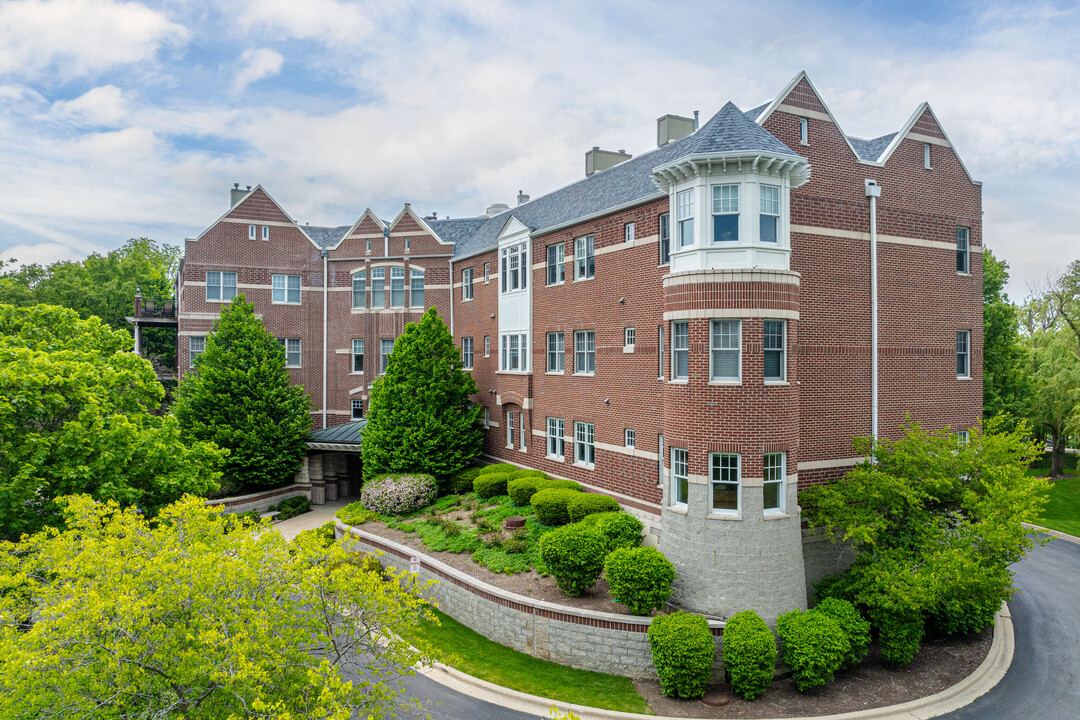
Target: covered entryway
335,470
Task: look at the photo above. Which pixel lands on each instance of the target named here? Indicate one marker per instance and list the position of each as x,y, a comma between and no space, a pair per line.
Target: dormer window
684,213
770,213
725,213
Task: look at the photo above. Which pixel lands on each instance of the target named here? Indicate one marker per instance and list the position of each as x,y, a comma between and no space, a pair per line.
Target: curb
1054,533
978,683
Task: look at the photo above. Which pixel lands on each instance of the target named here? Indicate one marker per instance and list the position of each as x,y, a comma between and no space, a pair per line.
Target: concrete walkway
319,515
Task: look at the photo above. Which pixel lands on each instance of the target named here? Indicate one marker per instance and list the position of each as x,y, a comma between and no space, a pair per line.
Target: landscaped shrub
749,654
682,651
852,623
557,483
574,555
966,602
834,586
639,578
291,507
814,647
550,506
589,504
398,494
323,535
371,564
489,485
355,514
900,634
498,468
462,481
514,475
620,529
522,489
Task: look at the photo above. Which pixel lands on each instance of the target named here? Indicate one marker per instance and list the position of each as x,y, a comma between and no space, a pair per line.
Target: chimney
597,159
674,127
522,198
236,194
497,209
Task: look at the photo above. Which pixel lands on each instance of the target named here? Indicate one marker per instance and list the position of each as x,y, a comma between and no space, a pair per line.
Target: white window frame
585,445
510,429
282,288
384,356
253,232
782,350
714,350
265,232
926,156
397,287
487,346
515,352
467,353
629,337
378,280
585,352
514,269
629,438
288,345
408,244
963,352
628,232
725,203
680,477
584,257
487,417
684,218
466,285
369,245
680,346
487,273
769,208
962,438
220,285
963,250
663,231
555,266
193,340
773,475
359,289
556,439
714,470
804,131
416,287
357,354
355,405
556,353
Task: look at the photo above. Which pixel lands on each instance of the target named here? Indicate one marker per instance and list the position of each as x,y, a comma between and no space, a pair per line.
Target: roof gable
730,130
257,195
923,126
408,221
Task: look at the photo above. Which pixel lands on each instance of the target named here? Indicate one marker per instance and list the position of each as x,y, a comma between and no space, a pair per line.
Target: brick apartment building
689,330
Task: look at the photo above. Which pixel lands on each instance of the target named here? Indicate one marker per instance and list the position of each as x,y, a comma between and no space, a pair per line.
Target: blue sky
121,119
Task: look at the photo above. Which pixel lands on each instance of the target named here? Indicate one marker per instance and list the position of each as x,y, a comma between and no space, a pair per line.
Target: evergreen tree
240,396
420,418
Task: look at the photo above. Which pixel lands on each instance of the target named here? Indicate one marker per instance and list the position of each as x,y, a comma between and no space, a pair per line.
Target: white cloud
80,37
103,105
257,65
328,20
42,253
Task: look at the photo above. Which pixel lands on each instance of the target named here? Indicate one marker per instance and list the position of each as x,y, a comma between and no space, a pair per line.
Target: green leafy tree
1006,383
420,418
240,397
74,418
935,523
200,616
1055,379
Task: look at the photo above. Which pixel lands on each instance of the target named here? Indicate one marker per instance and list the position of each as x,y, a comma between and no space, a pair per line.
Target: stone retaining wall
262,500
585,639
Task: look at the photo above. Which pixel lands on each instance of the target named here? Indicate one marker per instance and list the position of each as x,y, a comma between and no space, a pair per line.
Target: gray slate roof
871,149
628,182
456,230
755,113
349,433
325,237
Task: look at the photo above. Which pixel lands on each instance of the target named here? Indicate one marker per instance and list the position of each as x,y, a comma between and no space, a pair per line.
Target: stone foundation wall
822,557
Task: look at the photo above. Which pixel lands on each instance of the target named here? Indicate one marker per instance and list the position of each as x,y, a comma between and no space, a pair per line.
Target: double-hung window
286,289
963,255
629,437
487,345
220,286
487,273
684,216
509,429
773,482
416,287
386,347
680,476
628,232
725,207
196,347
292,351
466,353
357,409
584,352
556,269
726,365
358,355
555,438
378,287
584,444
556,352
680,350
584,257
724,469
515,352
775,350
664,231
514,268
963,353
487,417
397,287
359,289
466,284
629,338
769,215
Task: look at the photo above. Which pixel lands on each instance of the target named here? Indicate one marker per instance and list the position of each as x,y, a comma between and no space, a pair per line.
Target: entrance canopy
343,438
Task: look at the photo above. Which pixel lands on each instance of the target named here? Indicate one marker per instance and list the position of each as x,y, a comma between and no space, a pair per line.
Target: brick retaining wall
262,500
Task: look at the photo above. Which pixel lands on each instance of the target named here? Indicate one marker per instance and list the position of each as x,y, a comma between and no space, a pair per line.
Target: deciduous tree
1006,382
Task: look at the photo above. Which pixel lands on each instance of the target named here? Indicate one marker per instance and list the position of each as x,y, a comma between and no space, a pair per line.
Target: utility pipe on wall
325,288
873,191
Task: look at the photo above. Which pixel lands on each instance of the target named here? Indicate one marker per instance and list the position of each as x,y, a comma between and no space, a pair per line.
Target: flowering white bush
398,494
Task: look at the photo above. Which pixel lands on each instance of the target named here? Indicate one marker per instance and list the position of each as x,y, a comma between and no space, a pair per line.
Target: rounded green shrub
489,485
522,489
558,484
514,475
854,625
639,578
814,647
590,504
575,556
462,481
835,586
900,634
749,654
550,507
682,651
498,468
620,529
967,604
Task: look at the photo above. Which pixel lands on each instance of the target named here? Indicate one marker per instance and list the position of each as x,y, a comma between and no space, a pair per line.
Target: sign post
414,565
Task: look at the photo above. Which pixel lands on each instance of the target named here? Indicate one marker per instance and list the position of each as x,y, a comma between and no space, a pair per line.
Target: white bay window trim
680,477
585,445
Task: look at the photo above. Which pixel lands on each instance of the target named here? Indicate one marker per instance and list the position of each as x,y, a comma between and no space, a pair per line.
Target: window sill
737,517
561,282
357,373
584,374
963,377
777,383
512,372
681,509
465,300
467,369
284,302
963,274
585,466
628,349
293,367
555,372
556,458
584,279
678,382
523,450
775,515
728,383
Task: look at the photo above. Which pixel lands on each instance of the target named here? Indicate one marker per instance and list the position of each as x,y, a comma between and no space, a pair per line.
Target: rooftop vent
236,194
522,198
597,159
497,209
673,127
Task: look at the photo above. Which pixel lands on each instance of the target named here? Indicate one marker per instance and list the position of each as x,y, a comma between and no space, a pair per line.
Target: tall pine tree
241,397
420,418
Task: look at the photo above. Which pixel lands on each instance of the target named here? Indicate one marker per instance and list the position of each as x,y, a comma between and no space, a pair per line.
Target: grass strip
474,654
1062,511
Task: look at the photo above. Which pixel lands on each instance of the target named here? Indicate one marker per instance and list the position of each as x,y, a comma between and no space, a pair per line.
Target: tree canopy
420,417
74,418
240,397
198,615
1006,384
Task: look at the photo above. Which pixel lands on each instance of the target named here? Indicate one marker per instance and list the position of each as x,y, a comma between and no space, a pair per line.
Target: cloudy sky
121,119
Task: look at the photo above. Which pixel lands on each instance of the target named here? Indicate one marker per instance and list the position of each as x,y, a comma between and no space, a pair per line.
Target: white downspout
325,293
873,191
452,297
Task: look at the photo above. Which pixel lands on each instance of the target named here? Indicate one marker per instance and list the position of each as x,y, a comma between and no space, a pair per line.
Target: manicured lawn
474,654
1062,512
